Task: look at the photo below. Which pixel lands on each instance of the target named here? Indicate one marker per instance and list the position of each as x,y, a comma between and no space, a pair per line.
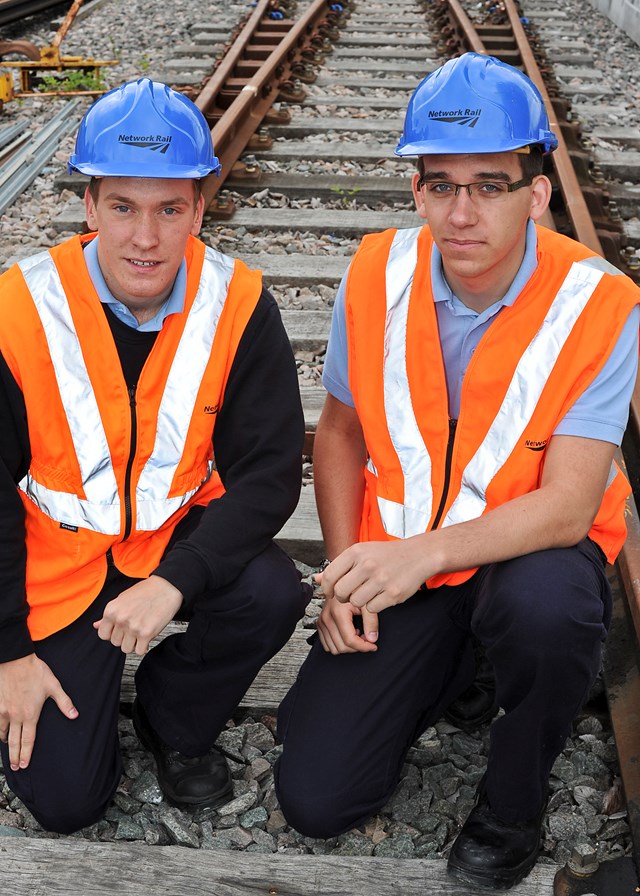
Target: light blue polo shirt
602,410
173,304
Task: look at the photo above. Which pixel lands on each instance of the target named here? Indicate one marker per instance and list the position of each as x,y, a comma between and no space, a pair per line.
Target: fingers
22,738
25,685
338,633
127,640
64,703
22,735
370,625
352,578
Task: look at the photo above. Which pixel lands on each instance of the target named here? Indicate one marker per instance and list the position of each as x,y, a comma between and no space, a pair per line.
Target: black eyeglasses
489,190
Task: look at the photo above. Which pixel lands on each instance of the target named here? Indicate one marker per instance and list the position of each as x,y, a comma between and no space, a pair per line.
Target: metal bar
39,151
66,23
10,132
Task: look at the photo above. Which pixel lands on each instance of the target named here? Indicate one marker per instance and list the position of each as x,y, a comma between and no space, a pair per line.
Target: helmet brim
446,148
178,172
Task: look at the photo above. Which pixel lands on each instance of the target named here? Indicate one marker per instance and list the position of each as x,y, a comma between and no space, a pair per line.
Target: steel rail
243,117
9,133
572,195
209,95
15,10
466,27
25,165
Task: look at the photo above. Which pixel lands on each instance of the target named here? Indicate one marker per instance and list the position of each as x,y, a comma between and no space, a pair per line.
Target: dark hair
531,163
94,189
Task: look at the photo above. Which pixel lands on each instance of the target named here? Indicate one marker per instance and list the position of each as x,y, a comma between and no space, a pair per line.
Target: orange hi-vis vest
110,471
537,357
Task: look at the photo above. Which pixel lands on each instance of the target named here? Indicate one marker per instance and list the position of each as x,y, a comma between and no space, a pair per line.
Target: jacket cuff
15,640
189,578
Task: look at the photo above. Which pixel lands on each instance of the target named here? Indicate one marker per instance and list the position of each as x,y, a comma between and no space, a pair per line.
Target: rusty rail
15,10
243,89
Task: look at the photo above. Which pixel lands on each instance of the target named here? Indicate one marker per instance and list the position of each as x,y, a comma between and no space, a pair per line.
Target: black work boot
494,854
200,782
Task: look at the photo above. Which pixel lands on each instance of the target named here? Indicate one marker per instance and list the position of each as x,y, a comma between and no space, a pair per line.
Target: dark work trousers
190,685
348,721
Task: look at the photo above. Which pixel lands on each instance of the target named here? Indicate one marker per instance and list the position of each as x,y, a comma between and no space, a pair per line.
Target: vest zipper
132,452
447,472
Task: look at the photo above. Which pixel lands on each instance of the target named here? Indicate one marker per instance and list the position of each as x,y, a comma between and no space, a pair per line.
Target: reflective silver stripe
524,392
178,401
101,509
412,517
72,510
600,264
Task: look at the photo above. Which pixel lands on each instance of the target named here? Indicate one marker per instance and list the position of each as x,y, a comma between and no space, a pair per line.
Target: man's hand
134,618
338,633
377,574
25,684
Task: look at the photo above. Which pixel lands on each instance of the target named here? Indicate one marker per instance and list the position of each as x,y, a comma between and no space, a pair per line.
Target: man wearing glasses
479,373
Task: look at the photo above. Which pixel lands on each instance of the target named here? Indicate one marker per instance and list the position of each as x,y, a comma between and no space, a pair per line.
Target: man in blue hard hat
150,452
479,372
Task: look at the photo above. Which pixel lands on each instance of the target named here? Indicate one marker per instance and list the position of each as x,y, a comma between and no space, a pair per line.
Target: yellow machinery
45,60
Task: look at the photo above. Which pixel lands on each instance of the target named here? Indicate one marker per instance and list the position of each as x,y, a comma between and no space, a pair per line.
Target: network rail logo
467,117
155,144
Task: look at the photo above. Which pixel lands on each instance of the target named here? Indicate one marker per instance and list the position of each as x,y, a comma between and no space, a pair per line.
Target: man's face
482,239
144,224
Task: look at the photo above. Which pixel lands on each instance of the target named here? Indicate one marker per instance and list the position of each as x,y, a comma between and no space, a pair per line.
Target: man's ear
417,195
540,197
90,210
198,216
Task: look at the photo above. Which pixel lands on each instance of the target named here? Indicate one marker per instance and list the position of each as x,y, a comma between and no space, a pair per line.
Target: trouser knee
61,804
262,605
549,603
314,811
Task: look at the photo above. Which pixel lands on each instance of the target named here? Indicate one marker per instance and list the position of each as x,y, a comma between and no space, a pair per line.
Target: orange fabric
486,380
66,569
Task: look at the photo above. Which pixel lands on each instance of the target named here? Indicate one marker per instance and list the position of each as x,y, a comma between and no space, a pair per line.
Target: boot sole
492,881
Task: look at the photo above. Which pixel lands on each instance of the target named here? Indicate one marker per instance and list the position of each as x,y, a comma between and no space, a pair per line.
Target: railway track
17,10
298,202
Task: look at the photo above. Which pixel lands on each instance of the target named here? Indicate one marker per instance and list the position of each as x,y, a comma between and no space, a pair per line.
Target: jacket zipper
447,473
132,452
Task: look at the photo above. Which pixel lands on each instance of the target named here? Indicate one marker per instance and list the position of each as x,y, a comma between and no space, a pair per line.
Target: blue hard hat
475,104
144,129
